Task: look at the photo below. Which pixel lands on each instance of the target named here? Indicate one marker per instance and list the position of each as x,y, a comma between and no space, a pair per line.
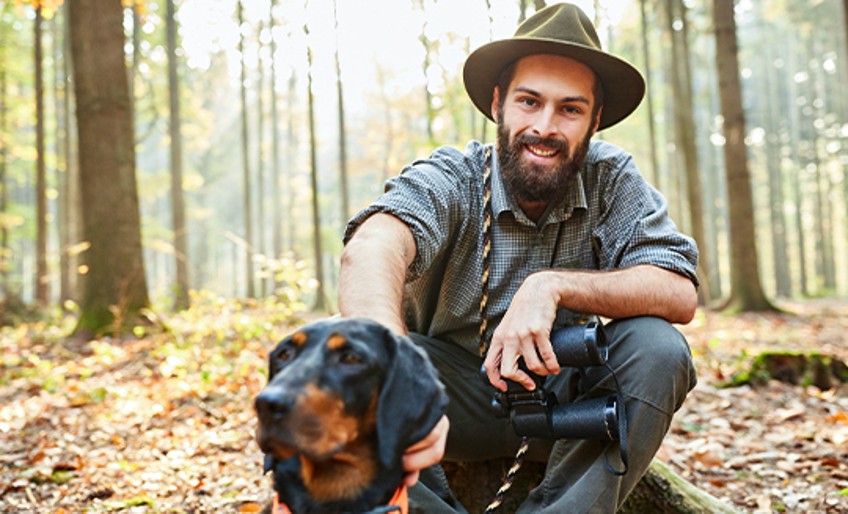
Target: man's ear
495,103
597,121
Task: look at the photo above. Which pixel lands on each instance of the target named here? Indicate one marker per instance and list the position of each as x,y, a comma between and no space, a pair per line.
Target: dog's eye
286,354
350,358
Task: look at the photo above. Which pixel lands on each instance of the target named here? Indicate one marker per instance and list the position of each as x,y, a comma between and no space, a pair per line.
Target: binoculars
538,413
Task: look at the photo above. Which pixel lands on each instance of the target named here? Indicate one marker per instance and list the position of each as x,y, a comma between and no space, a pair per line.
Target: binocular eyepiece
539,414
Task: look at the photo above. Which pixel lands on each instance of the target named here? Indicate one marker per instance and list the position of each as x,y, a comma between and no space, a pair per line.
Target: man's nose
544,125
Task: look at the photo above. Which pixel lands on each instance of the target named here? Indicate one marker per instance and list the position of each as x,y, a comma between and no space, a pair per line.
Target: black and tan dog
345,398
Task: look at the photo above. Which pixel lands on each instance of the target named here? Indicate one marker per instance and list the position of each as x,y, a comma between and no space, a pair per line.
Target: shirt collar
504,202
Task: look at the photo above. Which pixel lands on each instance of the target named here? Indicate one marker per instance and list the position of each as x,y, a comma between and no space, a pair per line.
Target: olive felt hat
565,30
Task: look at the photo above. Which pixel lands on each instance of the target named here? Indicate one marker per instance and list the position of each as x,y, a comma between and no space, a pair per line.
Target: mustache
530,139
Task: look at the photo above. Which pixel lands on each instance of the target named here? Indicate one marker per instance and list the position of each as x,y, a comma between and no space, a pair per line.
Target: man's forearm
637,291
373,271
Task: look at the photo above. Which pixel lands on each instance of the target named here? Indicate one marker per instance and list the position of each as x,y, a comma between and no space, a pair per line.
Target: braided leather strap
484,323
487,247
510,476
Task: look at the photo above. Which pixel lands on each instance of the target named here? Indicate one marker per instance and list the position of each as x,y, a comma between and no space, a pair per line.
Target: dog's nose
273,404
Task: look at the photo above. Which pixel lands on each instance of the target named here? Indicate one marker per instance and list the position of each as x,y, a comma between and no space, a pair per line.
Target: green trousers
654,367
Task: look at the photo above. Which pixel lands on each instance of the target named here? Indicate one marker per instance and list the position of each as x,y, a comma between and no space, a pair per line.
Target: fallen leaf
709,458
838,417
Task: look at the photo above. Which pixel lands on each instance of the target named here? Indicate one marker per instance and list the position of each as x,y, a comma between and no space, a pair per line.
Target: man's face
544,126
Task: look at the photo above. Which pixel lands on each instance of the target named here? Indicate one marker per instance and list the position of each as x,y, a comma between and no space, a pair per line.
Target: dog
345,398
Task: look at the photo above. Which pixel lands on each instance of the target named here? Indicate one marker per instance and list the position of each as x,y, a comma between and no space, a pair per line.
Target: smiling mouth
542,151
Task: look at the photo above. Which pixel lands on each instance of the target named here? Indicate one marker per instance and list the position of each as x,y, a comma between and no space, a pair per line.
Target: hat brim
623,85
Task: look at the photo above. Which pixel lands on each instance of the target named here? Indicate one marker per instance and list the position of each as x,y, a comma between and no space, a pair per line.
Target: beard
530,182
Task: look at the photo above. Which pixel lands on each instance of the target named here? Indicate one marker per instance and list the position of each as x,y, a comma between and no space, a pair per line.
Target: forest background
235,138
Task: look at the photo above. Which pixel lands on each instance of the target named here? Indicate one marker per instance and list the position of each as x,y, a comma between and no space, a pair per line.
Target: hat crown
564,30
561,22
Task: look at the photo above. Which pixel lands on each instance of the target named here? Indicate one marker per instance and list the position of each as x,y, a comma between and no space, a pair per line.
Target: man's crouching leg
654,367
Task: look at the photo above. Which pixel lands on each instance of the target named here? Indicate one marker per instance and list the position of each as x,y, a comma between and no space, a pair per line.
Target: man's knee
655,358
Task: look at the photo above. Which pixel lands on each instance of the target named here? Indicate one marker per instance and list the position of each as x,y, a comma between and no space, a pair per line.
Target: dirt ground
164,422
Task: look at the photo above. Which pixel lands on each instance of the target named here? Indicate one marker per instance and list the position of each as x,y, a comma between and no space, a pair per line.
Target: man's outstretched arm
371,280
373,271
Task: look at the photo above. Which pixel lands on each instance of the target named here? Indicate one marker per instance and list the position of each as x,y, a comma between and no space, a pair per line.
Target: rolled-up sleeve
635,227
427,197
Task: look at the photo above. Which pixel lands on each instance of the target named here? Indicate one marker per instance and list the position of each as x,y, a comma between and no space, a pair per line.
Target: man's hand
525,331
425,452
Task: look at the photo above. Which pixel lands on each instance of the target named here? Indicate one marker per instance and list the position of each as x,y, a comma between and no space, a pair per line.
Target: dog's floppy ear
411,401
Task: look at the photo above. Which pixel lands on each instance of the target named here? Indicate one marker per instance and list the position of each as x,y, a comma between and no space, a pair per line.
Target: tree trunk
66,176
425,69
844,103
653,174
245,146
276,211
259,244
291,150
845,32
42,276
670,177
388,125
4,190
824,209
746,289
783,284
344,193
320,293
660,491
522,14
796,177
681,86
181,300
115,289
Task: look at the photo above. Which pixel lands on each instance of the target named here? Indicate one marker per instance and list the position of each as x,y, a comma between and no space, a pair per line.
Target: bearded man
548,228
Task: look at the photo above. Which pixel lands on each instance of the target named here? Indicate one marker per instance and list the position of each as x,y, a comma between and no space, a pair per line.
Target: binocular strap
621,414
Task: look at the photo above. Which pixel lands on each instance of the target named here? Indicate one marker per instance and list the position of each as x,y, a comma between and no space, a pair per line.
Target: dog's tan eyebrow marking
299,338
336,341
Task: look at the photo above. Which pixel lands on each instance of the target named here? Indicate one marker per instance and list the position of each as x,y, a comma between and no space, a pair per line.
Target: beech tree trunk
746,288
320,292
42,277
245,147
114,287
181,300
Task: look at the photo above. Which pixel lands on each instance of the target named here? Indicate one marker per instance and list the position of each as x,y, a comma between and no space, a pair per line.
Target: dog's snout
274,404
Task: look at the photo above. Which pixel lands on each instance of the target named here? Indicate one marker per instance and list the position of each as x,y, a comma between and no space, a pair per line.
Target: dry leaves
767,449
164,423
159,424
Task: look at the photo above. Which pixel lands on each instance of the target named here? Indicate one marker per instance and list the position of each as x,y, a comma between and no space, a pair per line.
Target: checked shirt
610,219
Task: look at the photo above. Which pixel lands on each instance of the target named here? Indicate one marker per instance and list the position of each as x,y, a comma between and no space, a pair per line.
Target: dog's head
347,391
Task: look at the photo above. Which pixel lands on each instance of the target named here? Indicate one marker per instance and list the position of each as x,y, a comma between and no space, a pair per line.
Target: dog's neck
344,476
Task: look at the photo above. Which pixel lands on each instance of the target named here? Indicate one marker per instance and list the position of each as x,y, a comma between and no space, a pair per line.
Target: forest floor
164,422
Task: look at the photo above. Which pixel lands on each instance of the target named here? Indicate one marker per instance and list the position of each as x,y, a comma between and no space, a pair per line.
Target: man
575,230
